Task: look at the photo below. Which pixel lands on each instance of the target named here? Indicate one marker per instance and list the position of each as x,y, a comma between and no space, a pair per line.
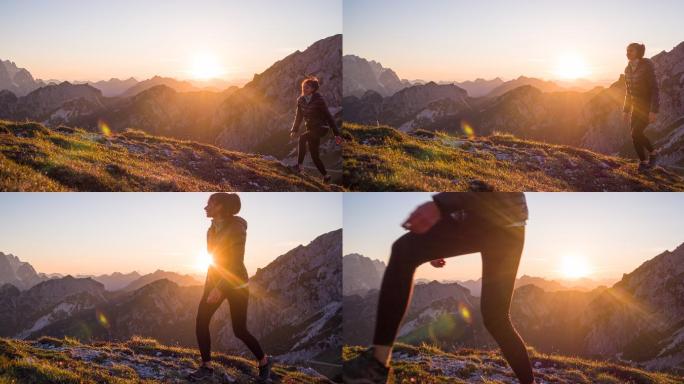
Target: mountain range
535,109
253,118
295,307
638,320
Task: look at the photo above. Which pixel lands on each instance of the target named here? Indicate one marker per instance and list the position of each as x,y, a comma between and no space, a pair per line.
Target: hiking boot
364,369
201,373
296,168
643,166
265,370
652,160
327,178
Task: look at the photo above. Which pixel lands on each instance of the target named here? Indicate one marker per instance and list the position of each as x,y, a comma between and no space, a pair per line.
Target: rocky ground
50,360
36,158
428,365
382,158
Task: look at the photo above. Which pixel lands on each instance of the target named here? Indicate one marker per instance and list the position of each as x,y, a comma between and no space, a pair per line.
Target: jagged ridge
36,158
382,158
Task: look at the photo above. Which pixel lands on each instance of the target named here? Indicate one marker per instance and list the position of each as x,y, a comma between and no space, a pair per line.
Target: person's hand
439,263
338,140
423,218
652,116
214,296
625,117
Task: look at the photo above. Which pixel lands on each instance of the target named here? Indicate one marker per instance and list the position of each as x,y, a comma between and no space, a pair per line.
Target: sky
456,40
79,40
101,233
601,234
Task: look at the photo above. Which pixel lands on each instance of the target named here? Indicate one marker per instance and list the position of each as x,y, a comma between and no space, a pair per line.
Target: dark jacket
497,208
315,115
226,243
642,88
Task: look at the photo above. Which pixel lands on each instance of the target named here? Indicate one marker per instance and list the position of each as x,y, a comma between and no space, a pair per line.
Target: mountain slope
177,85
17,80
36,158
429,365
182,280
18,273
137,360
382,159
361,274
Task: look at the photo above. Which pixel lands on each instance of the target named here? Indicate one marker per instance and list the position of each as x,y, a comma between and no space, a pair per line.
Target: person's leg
445,239
639,122
301,152
204,314
314,141
500,259
238,300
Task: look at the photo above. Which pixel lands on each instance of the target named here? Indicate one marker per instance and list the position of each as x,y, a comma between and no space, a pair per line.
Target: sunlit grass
384,159
139,360
36,158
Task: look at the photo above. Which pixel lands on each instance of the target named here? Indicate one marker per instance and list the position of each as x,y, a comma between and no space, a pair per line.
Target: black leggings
501,249
638,123
237,299
313,140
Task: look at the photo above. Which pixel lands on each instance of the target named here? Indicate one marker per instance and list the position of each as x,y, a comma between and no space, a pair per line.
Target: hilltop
382,158
138,360
34,157
429,365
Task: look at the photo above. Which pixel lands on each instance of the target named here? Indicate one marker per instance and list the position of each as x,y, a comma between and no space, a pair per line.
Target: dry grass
36,158
384,159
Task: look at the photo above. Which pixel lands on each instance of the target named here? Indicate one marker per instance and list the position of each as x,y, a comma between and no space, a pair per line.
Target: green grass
430,365
385,159
139,360
36,158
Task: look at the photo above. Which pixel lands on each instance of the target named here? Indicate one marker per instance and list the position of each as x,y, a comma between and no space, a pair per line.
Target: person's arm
655,92
298,118
234,241
323,107
627,105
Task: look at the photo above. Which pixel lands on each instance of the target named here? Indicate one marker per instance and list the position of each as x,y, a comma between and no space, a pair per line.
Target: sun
575,267
571,66
205,66
203,261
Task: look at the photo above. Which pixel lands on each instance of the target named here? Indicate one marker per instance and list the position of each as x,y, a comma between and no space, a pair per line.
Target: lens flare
103,127
465,313
204,261
467,129
102,318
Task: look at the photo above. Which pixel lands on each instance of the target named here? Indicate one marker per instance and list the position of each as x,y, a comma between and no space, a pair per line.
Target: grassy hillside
65,361
384,159
36,158
429,365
